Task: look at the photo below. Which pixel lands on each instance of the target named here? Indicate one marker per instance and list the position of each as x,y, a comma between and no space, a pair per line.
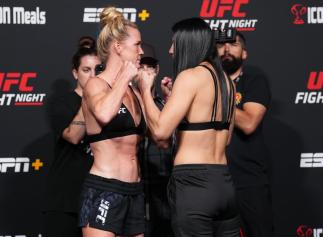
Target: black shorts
112,205
202,200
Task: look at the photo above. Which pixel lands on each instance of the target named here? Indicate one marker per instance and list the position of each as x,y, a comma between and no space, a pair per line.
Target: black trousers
202,200
255,211
61,224
159,223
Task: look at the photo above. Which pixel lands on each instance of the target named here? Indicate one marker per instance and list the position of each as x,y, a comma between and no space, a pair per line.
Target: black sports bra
121,125
213,124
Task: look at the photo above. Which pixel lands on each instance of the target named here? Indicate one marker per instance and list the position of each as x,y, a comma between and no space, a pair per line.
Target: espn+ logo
19,165
92,15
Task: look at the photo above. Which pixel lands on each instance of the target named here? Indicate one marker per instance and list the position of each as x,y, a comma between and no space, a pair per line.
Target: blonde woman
112,200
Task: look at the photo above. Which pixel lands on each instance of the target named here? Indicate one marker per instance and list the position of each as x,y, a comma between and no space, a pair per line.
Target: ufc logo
315,81
93,14
20,80
218,8
19,164
311,160
103,209
122,110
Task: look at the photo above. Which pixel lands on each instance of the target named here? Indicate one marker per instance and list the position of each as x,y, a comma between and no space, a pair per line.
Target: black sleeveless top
212,124
121,125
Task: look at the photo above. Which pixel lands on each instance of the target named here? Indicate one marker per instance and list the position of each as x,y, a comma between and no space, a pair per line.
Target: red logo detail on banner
315,81
217,8
304,231
298,10
7,80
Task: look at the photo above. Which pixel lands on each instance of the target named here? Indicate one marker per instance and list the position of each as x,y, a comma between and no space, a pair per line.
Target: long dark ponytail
194,42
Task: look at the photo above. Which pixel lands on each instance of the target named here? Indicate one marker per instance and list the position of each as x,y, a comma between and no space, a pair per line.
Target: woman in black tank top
200,190
72,156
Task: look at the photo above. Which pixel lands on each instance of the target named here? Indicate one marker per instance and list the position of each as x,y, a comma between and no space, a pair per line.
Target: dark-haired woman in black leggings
201,107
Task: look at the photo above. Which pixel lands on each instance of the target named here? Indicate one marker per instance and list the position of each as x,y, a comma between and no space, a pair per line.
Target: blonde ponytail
113,28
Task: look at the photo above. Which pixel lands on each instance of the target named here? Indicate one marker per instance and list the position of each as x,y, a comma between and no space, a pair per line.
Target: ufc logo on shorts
103,210
19,164
311,160
315,81
218,8
92,15
17,79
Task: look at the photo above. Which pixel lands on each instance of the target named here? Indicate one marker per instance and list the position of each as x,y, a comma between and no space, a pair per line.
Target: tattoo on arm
81,123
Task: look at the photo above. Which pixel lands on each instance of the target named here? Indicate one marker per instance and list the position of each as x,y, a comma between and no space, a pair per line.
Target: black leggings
202,201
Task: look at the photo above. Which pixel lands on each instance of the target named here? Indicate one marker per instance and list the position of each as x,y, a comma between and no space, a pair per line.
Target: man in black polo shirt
247,154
